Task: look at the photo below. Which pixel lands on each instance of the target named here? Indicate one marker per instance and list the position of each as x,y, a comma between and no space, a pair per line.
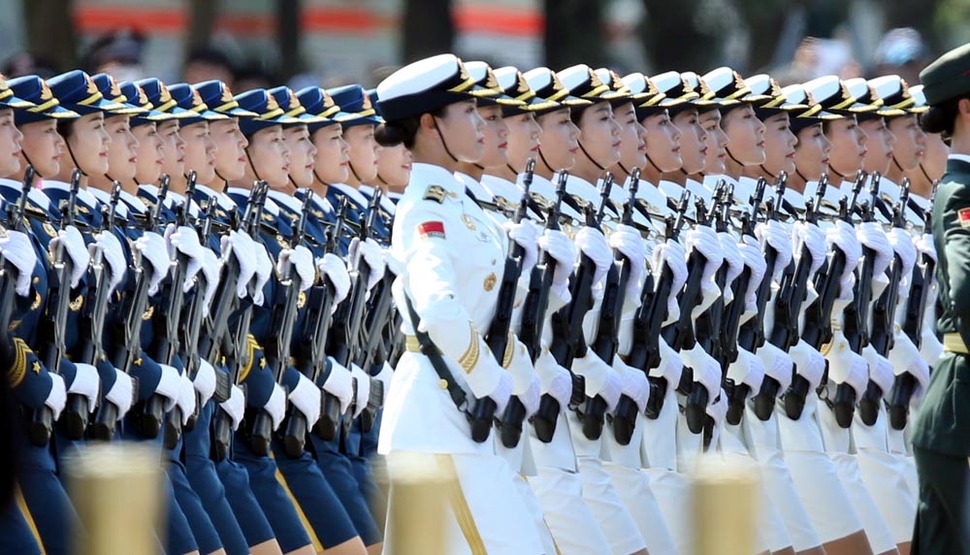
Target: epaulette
436,193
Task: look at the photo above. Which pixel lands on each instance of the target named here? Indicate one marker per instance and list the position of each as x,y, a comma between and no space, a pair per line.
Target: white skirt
884,474
573,526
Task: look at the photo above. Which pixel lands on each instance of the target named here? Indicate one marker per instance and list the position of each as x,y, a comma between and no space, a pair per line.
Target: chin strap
581,147
768,173
444,143
70,151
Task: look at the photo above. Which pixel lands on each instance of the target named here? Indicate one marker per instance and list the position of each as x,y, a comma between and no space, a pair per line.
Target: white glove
674,256
502,392
186,241
880,369
600,379
186,400
924,244
754,259
705,240
276,405
235,406
811,236
671,366
241,246
333,268
778,364
169,385
905,357
629,243
363,388
306,398
633,383
747,369
902,244
872,236
75,249
301,260
113,256
733,260
264,269
526,235
843,236
847,367
717,408
370,252
211,267
531,397
152,246
557,245
205,380
57,397
809,363
554,380
87,383
385,376
340,384
122,393
707,371
16,248
393,264
593,244
778,236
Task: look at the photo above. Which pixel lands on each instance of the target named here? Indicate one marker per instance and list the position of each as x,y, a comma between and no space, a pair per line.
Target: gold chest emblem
490,281
301,300
148,313
469,222
76,304
49,229
36,304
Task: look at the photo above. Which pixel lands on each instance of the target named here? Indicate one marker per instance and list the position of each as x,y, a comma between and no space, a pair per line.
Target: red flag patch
964,217
437,229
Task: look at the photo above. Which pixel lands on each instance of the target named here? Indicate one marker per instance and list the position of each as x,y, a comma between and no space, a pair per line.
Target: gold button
443,384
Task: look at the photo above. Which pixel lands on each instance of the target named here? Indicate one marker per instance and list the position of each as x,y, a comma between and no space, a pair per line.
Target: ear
963,107
428,122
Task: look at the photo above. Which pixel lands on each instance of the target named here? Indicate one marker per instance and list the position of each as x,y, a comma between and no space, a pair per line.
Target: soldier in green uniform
941,432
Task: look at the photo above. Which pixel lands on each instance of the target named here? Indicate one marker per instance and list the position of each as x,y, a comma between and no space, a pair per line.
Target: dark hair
65,127
210,55
395,132
941,118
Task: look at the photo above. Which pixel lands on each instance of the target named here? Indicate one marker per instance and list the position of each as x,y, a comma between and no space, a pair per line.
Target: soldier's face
123,152
812,152
934,161
363,151
879,147
173,148
599,133
779,144
560,139
270,156
524,138
663,142
633,137
44,146
693,140
496,137
230,149
463,131
848,145
715,155
150,154
746,135
11,140
200,151
302,153
394,167
910,141
333,155
90,144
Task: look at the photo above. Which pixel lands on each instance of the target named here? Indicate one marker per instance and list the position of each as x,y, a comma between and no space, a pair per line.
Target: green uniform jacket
943,423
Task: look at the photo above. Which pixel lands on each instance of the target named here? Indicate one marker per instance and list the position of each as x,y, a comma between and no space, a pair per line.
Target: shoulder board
436,193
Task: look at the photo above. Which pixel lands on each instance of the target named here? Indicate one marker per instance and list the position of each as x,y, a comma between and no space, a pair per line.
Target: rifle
764,402
282,321
606,342
856,326
794,288
498,336
919,296
883,316
747,336
534,313
311,359
569,341
223,337
649,319
127,351
8,272
193,317
682,334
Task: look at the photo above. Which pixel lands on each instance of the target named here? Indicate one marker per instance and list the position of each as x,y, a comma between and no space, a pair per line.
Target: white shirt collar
961,157
351,192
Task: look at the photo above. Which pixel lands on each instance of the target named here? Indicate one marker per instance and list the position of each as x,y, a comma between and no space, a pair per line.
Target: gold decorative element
443,384
509,351
36,304
49,229
147,315
490,281
469,359
436,193
76,304
301,300
19,368
469,222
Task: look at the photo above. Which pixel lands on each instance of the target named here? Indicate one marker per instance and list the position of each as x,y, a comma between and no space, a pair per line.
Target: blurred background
266,42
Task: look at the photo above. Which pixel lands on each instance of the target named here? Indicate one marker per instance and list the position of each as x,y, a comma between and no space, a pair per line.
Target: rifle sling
430,350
